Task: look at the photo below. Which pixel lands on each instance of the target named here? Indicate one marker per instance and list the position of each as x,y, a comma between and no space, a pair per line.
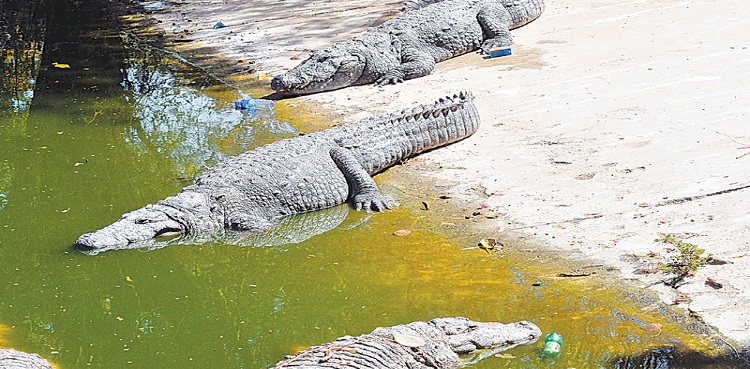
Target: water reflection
21,44
5,181
289,230
185,124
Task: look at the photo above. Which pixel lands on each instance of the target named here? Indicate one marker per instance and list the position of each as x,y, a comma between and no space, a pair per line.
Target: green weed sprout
689,258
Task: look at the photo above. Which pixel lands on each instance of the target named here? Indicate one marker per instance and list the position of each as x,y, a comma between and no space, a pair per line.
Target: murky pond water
107,127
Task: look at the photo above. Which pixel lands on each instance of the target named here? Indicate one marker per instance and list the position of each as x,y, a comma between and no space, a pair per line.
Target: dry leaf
714,283
653,327
488,243
407,340
402,232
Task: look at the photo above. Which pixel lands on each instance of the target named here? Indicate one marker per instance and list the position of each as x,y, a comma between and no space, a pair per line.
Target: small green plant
687,261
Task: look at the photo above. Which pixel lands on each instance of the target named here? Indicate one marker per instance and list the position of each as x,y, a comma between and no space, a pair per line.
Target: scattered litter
681,297
653,327
407,340
402,232
552,344
575,274
499,51
252,104
489,244
714,261
60,65
219,25
585,176
154,6
714,283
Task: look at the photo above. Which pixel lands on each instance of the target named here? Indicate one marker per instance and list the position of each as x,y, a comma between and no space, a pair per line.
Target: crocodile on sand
409,45
249,192
418,345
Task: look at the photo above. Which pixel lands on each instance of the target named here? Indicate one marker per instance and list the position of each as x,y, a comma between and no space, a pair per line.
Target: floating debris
402,232
407,340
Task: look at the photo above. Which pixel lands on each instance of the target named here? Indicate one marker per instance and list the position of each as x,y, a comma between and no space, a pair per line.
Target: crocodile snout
280,83
96,240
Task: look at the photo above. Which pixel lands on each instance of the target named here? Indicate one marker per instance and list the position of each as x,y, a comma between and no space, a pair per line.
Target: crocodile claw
390,78
371,202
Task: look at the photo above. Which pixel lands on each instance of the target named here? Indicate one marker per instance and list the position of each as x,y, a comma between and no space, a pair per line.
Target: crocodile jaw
466,336
139,225
325,70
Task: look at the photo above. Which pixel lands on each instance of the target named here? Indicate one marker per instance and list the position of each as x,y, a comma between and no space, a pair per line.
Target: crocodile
408,45
417,345
252,191
12,359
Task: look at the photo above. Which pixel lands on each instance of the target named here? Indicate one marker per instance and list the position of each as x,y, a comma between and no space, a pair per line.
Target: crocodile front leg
495,21
363,191
415,61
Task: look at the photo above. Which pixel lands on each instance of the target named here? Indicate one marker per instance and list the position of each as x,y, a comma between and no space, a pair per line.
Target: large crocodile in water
418,345
409,45
249,192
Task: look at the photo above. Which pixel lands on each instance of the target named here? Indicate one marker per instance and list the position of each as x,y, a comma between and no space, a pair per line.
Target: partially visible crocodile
409,45
418,345
12,359
316,171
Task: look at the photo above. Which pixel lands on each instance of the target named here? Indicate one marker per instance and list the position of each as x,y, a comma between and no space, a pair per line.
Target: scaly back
383,141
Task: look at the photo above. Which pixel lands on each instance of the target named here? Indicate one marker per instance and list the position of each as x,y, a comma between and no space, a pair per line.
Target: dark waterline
94,124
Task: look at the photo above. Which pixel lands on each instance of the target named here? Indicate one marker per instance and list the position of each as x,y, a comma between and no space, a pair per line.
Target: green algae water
104,128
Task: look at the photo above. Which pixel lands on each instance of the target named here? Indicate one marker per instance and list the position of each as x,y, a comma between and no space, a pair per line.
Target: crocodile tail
409,132
523,11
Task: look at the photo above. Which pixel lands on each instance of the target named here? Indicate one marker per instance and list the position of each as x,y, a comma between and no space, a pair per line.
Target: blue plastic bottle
254,104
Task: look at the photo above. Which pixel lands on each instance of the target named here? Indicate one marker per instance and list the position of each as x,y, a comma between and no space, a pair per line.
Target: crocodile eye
143,221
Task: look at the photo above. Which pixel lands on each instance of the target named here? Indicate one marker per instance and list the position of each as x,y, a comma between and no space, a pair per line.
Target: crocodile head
139,225
187,212
465,336
334,67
